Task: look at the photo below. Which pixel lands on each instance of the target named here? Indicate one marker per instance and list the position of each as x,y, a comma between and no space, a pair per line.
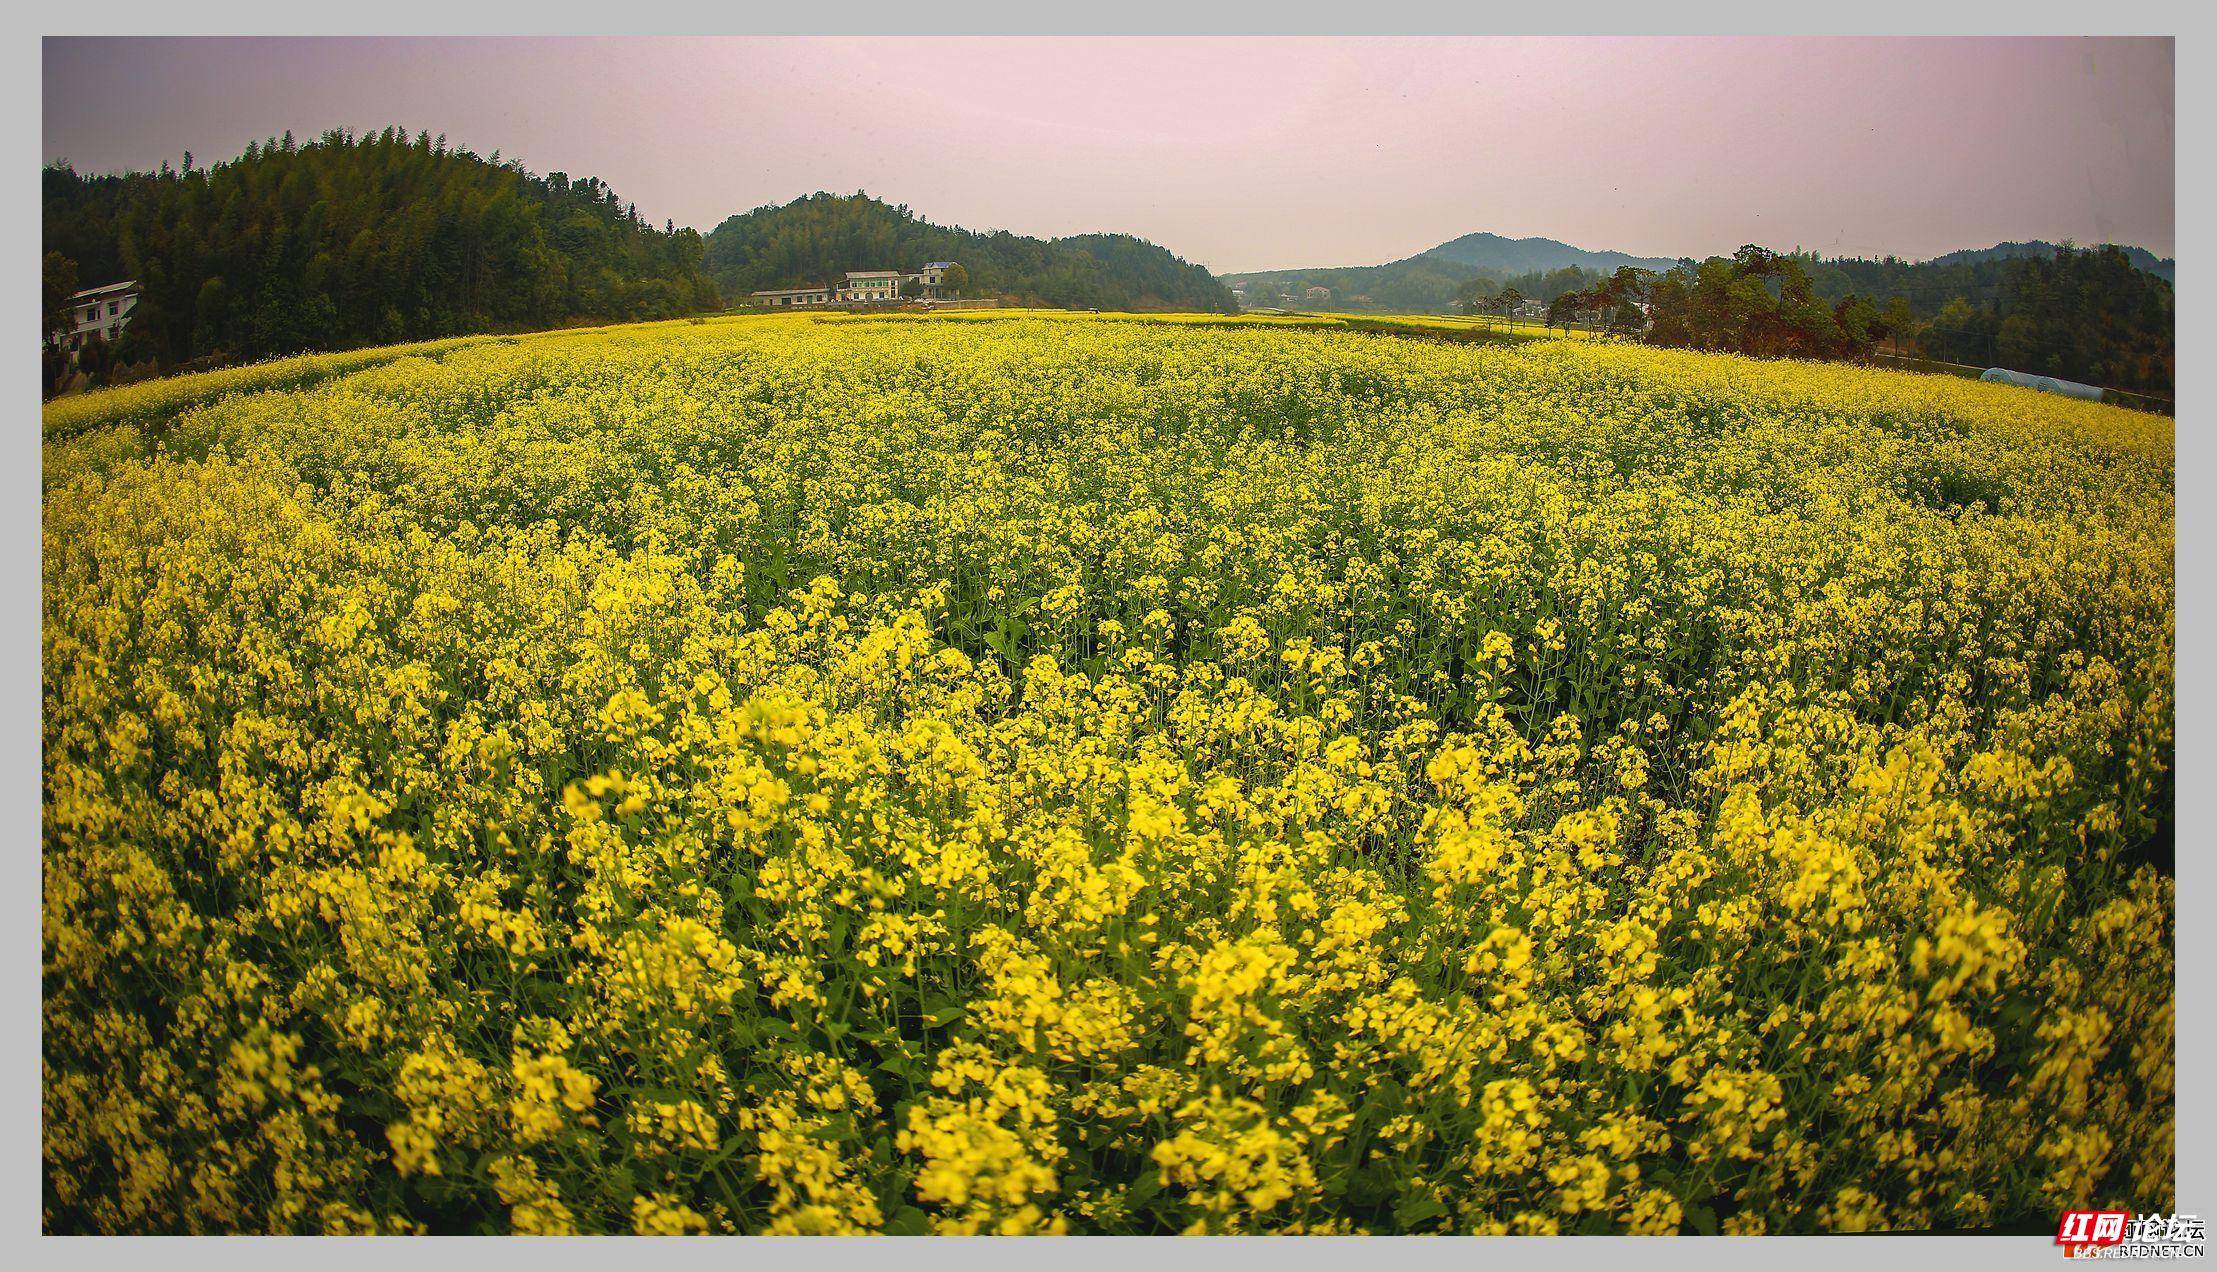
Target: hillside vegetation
818,238
2089,316
352,240
2162,267
996,774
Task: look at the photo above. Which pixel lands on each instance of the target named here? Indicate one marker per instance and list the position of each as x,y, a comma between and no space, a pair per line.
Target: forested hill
1983,277
821,236
1442,277
2162,267
352,240
1505,257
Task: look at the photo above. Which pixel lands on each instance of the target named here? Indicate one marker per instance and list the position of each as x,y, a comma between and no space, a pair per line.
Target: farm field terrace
1011,773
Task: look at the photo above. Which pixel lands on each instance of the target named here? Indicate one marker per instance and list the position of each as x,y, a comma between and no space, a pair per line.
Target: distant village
1260,295
928,285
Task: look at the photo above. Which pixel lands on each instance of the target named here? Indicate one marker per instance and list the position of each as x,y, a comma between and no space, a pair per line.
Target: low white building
782,297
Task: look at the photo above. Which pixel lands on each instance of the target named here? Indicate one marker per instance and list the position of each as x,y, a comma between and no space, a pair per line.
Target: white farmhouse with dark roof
100,311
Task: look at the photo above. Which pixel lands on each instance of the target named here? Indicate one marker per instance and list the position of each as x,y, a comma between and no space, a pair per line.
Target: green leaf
1416,1208
1143,1189
908,1221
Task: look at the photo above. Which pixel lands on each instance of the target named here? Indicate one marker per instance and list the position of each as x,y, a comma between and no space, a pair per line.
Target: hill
820,236
1493,254
2163,267
1431,280
1992,278
1420,284
348,241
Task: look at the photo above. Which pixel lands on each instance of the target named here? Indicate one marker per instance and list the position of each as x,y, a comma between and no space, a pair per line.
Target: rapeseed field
1029,775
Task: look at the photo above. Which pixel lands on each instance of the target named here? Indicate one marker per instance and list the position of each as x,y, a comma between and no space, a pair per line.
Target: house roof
937,264
128,284
873,273
789,291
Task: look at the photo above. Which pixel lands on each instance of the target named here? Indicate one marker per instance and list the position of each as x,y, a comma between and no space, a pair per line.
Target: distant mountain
2163,267
1420,284
821,236
1540,268
1494,254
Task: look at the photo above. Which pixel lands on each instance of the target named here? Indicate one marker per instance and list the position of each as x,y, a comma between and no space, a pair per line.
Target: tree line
1487,293
2088,316
2080,314
354,240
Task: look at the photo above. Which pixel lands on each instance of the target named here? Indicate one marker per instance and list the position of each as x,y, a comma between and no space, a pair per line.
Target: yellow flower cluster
1050,775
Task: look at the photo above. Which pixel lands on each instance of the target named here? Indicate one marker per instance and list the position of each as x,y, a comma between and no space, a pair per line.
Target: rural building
871,286
794,296
100,311
862,286
1315,294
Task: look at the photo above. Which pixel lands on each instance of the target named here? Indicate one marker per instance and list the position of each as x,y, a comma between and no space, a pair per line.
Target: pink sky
1240,153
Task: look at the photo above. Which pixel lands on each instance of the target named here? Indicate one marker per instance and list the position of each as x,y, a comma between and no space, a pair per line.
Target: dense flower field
1039,776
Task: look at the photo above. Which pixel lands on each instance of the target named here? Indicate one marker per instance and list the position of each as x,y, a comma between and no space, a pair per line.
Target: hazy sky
1239,153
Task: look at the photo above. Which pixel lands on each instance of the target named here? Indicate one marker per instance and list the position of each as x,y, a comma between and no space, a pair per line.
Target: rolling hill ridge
820,236
1429,280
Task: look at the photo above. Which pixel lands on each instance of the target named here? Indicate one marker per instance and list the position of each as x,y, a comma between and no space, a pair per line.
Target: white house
100,311
793,296
871,285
